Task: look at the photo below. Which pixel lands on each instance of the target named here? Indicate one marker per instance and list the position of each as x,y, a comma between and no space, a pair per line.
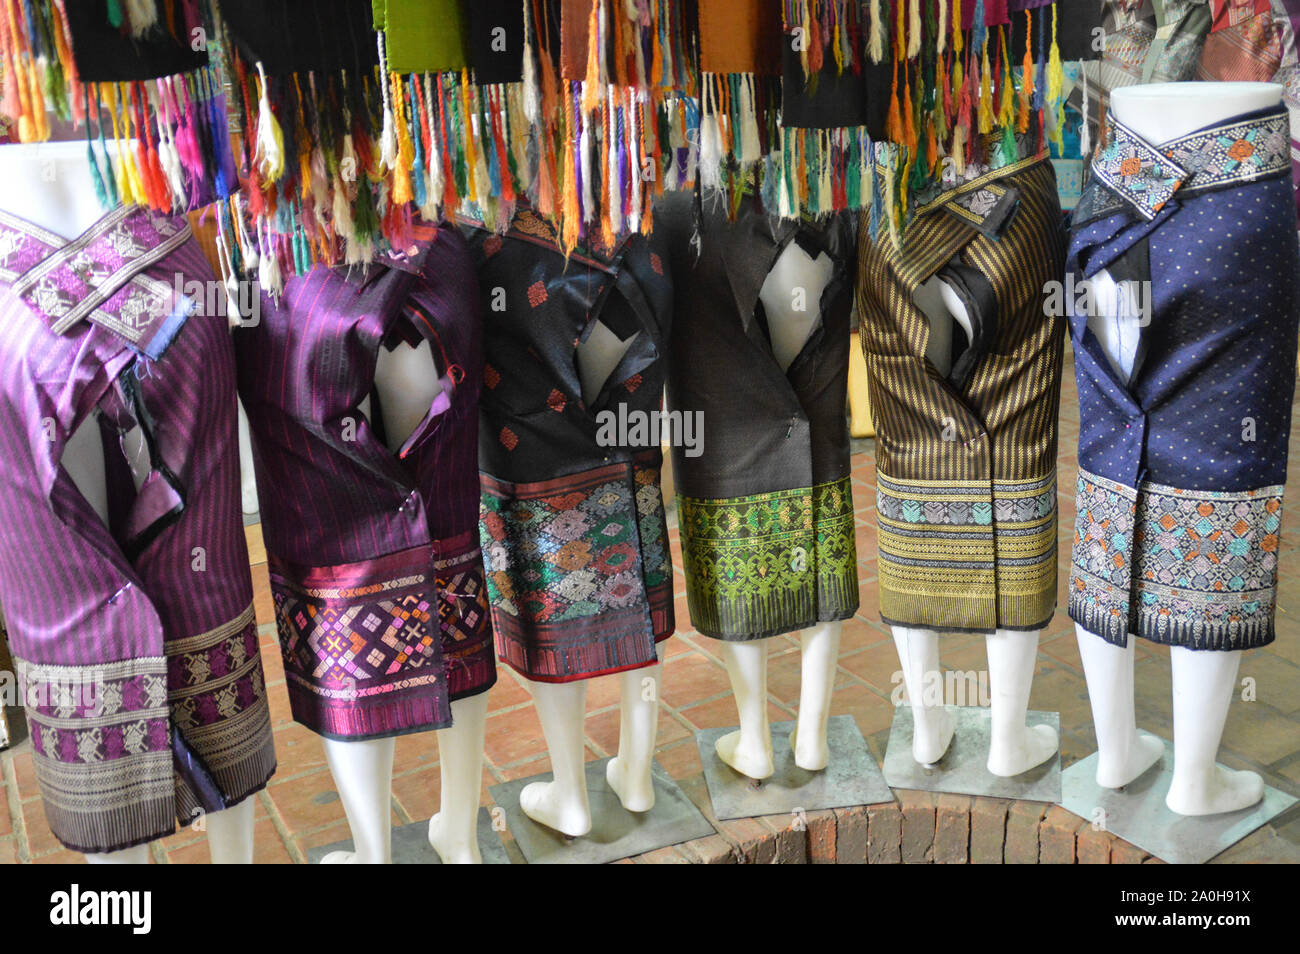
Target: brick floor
300,809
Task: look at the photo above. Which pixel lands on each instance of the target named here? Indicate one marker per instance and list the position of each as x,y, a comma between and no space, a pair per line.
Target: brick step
922,828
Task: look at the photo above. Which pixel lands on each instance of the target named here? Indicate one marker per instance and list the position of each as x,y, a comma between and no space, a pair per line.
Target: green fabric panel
422,35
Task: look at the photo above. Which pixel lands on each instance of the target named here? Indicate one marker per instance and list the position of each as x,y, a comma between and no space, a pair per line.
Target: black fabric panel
105,54
976,293
831,99
1076,19
843,100
505,62
294,36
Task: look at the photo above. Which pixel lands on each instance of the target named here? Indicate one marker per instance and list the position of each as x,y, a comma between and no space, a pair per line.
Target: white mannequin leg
749,749
1203,686
247,477
628,773
230,834
932,724
1015,747
561,803
820,653
453,832
363,772
1123,753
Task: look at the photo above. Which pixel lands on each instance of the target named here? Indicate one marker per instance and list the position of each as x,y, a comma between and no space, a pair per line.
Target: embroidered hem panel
961,559
1183,567
769,563
765,503
579,572
572,521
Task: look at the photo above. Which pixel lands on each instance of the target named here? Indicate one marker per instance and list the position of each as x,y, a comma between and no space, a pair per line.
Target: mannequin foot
813,756
452,851
1226,790
752,761
932,735
1032,746
544,804
347,858
634,789
1144,752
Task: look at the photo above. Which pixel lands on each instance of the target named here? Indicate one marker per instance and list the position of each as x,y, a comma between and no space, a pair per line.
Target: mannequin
49,184
561,804
1202,681
407,384
748,750
1013,747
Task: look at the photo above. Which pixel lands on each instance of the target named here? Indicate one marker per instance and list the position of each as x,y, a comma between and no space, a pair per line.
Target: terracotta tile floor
301,809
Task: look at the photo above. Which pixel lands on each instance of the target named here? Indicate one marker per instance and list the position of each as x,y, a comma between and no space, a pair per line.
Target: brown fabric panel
574,17
740,36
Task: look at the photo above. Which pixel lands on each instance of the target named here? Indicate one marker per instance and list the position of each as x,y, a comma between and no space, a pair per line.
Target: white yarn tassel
320,187
387,138
710,139
269,276
585,147
434,180
913,29
943,26
783,205
342,210
876,39
143,15
634,99
614,198
170,161
749,144
532,95
270,140
349,158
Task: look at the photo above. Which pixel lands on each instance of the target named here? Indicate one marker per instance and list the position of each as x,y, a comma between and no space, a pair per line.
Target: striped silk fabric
966,490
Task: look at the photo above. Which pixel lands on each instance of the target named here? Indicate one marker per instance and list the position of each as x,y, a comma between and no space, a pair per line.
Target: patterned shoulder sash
100,276
1129,172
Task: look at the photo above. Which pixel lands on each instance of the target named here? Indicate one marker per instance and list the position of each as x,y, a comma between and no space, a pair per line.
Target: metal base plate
615,832
1138,814
963,770
411,845
851,777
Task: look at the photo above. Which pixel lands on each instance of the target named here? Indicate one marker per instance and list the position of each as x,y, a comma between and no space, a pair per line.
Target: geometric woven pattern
578,570
563,557
366,640
1192,568
967,555
769,563
362,646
